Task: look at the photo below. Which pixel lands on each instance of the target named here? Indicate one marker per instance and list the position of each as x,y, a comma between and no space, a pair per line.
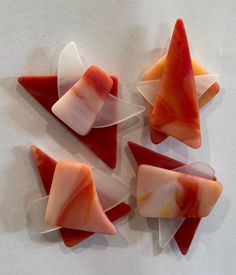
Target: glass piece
70,68
46,166
143,155
149,89
73,201
169,227
115,111
80,106
168,194
178,117
102,142
167,230
185,234
206,88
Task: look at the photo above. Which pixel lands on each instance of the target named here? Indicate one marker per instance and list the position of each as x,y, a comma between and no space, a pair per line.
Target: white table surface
124,38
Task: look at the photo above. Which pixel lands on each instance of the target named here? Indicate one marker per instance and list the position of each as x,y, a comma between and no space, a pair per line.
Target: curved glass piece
168,227
110,192
149,88
115,111
70,68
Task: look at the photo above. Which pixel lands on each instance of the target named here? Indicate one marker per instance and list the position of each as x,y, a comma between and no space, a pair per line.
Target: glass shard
116,111
178,117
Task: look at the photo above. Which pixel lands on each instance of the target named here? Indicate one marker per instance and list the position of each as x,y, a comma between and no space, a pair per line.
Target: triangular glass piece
162,193
143,155
115,111
149,89
178,117
169,227
102,142
167,230
70,68
46,166
185,234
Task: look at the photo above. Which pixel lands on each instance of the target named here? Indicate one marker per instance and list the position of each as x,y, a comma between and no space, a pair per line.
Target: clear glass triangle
70,68
167,230
115,111
110,192
168,227
149,88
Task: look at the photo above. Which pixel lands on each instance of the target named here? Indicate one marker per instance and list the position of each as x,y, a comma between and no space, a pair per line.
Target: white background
124,38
